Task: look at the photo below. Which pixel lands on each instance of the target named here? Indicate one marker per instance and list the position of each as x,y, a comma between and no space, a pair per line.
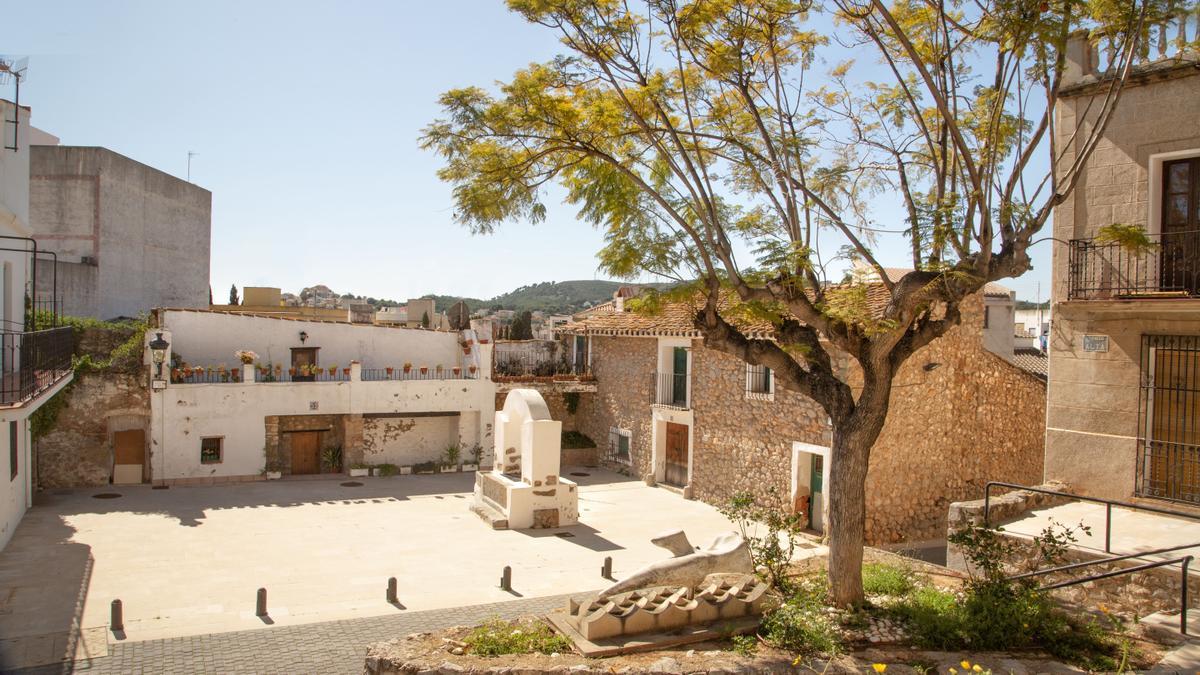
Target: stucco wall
147,231
211,338
1093,396
405,441
183,413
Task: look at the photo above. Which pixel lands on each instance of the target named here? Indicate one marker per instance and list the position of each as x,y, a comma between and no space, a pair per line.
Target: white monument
523,490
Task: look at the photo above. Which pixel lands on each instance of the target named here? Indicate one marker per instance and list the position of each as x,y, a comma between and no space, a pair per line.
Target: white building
321,397
34,365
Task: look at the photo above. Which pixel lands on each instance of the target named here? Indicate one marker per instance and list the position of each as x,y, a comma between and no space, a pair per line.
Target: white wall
211,338
183,413
998,335
405,441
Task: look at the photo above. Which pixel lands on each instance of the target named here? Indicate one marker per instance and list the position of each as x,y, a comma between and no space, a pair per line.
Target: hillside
553,297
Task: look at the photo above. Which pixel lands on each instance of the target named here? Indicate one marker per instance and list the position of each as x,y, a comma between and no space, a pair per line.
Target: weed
880,579
497,637
745,645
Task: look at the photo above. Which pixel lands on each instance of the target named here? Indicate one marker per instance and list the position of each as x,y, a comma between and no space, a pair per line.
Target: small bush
801,624
770,533
880,579
745,645
497,637
387,469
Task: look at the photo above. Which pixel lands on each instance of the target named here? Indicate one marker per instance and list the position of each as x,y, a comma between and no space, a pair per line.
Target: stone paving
328,647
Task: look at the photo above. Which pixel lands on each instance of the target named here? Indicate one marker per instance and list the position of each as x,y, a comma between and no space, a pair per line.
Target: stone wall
744,444
78,451
959,417
278,428
624,368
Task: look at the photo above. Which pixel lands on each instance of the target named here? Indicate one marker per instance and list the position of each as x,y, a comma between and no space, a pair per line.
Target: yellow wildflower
953,671
976,668
879,667
965,664
1104,608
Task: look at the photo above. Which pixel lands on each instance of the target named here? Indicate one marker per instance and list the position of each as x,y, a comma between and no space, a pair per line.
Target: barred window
760,382
618,444
1169,436
210,450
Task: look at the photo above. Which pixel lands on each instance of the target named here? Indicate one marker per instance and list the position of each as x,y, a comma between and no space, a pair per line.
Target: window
760,382
210,450
619,441
1169,439
13,451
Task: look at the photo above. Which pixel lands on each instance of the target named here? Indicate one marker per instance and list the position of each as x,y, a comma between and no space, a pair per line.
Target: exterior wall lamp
303,336
158,353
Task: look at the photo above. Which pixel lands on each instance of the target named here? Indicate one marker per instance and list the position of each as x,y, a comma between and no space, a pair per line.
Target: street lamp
158,353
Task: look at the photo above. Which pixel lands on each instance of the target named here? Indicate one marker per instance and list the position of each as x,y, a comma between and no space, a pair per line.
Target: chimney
1080,61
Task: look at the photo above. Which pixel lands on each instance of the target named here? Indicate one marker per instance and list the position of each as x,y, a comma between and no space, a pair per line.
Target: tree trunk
849,459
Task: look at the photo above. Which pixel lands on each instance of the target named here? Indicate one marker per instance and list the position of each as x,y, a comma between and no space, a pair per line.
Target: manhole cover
352,483
564,535
106,495
580,473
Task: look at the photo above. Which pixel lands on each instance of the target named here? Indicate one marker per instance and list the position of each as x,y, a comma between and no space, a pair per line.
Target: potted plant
292,371
360,470
245,356
333,370
424,369
466,350
407,367
476,456
456,370
386,469
389,370
472,369
424,467
235,373
453,453
438,369
331,459
346,373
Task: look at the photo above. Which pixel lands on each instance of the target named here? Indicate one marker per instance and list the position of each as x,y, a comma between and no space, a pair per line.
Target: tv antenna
14,70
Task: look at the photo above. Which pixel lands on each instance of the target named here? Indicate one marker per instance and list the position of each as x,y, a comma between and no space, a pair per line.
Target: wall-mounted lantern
158,353
303,336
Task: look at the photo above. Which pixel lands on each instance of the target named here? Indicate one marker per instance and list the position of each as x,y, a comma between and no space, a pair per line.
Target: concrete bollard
506,579
260,607
118,617
391,591
606,569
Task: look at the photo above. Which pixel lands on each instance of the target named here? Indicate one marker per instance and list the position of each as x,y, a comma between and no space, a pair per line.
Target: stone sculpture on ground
524,490
697,594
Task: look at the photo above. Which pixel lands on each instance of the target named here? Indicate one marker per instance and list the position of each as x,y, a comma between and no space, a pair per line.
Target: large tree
734,146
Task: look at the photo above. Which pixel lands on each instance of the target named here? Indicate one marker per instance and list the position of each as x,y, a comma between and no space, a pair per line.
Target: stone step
491,516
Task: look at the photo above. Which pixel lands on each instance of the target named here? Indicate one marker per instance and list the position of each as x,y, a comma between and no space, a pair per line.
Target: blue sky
305,117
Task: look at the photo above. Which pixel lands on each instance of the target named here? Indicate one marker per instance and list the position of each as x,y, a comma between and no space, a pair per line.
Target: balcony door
679,371
1180,254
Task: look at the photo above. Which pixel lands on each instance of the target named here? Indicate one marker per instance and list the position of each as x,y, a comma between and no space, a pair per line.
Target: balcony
537,364
33,362
1109,271
263,374
670,390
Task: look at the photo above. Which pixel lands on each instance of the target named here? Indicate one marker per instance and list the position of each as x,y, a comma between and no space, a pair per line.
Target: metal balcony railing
32,362
671,390
1103,271
536,363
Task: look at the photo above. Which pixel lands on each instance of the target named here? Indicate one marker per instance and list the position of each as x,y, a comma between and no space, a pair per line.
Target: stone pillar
356,371
249,373
1079,63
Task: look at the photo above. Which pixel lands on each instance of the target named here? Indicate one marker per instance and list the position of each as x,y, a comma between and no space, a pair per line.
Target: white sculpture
728,553
524,490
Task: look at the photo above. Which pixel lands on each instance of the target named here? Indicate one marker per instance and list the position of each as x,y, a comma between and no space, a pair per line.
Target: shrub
388,469
745,645
497,637
770,534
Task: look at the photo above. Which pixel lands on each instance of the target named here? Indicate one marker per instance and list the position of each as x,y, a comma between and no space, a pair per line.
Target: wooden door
1179,250
677,455
129,455
303,356
306,452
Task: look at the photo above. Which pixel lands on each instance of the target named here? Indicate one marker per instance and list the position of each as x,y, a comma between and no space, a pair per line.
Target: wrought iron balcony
1110,271
670,390
32,362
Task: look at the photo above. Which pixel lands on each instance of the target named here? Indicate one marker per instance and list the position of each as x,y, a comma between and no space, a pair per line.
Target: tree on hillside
692,130
522,327
233,295
425,320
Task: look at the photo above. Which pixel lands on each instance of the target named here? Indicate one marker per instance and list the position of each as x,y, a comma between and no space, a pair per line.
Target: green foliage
571,399
1131,238
802,624
770,534
522,327
453,453
424,467
745,645
880,579
387,469
574,440
331,458
497,637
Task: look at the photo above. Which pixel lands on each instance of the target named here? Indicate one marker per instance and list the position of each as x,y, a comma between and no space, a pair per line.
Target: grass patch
498,637
745,645
880,579
801,624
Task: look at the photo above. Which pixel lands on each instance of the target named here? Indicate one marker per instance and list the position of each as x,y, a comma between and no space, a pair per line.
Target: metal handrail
1185,561
1108,504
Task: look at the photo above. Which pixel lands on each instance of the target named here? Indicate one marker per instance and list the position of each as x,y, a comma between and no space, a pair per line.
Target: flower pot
424,370
346,372
292,372
235,373
274,475
407,369
457,371
405,470
360,473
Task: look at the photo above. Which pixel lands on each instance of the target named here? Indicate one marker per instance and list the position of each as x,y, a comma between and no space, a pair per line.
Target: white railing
1172,38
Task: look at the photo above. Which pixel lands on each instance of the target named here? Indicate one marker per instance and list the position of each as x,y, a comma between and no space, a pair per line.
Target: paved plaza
188,561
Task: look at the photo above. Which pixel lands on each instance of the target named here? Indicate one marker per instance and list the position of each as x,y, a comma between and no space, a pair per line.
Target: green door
818,469
817,500
679,377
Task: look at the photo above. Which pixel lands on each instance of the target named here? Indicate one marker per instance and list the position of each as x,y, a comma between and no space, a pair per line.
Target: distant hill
552,297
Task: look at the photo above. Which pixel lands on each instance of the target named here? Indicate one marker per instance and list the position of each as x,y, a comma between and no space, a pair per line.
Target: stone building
1124,377
128,237
704,424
